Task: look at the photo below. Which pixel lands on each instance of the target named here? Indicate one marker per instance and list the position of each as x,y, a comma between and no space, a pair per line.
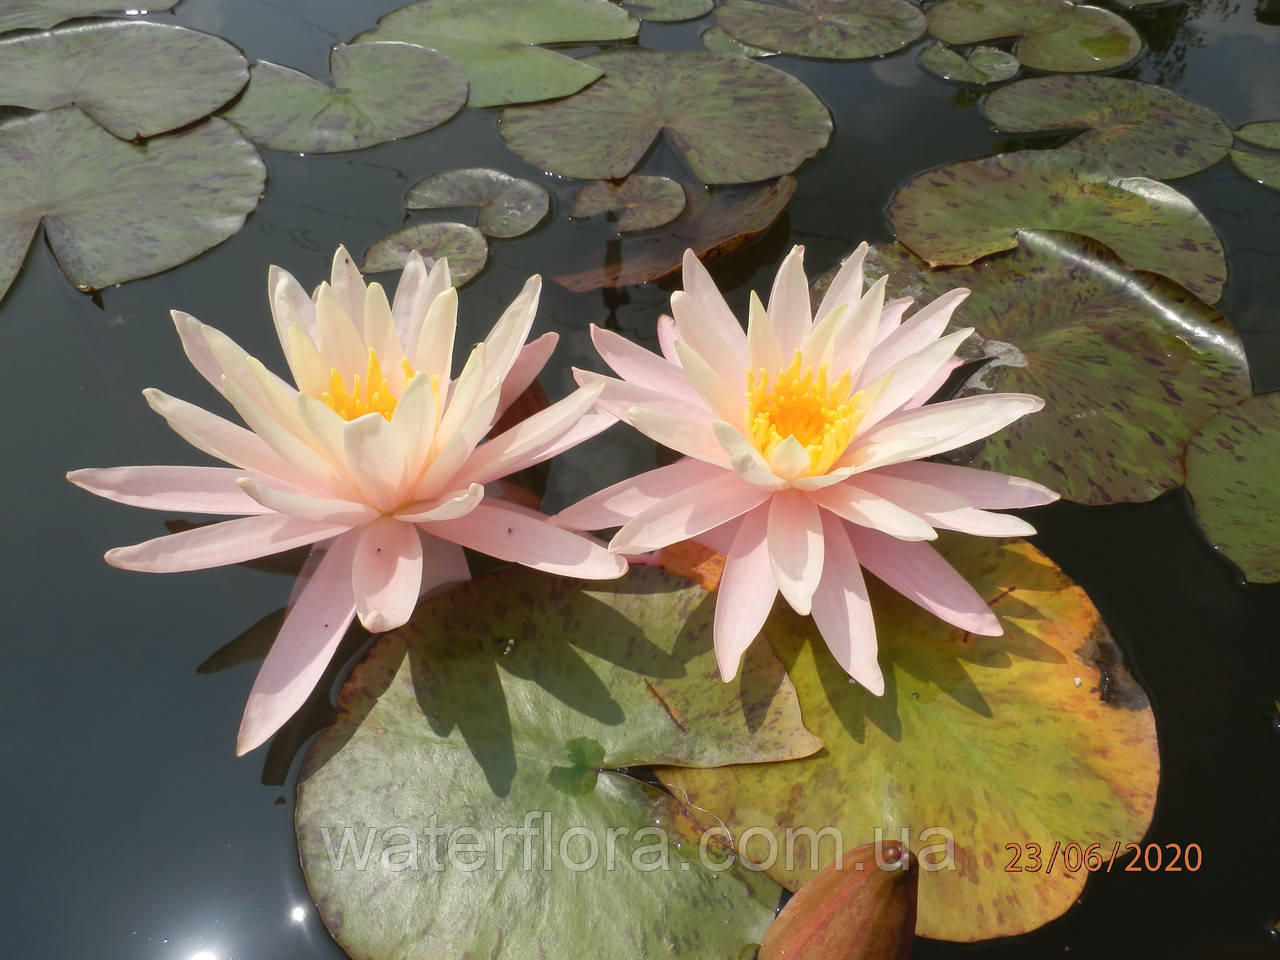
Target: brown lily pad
641,202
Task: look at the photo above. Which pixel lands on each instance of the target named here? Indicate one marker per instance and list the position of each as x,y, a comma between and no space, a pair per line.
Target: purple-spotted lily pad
43,14
640,202
1036,737
115,211
136,78
506,206
1260,167
470,802
1129,364
380,92
831,29
982,65
465,248
717,41
1054,35
732,120
668,11
1131,128
963,211
497,42
1232,465
713,223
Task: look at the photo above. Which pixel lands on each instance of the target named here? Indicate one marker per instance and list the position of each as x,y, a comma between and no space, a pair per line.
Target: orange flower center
801,404
372,395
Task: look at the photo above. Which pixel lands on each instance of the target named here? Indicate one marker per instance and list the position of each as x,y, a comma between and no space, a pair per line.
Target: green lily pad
1232,465
983,65
644,202
731,119
465,248
1261,167
1134,129
507,206
1263,133
116,211
1129,364
717,41
136,78
668,11
43,14
980,748
496,42
963,211
713,224
380,92
831,29
1054,35
520,695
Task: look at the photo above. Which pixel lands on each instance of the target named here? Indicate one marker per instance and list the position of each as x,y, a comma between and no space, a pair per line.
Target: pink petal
337,337
667,337
197,350
442,562
901,382
846,287
925,393
789,307
386,574
842,611
850,501
701,336
615,505
746,593
530,360
510,332
348,284
231,541
795,547
320,509
692,438
943,508
715,312
432,352
891,316
416,290
375,455
764,352
726,401
924,327
745,460
688,513
619,397
182,489
637,365
289,303
857,333
982,488
450,506
290,447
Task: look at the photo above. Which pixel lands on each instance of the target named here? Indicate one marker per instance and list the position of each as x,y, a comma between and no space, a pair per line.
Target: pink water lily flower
376,458
804,441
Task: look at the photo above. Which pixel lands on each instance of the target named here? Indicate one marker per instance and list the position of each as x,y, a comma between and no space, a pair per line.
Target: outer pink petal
746,593
905,379
513,533
386,574
232,541
852,502
304,647
693,438
667,337
924,327
688,513
925,393
637,365
182,489
795,547
500,456
615,505
533,356
322,509
943,508
918,572
442,562
704,292
982,488
842,610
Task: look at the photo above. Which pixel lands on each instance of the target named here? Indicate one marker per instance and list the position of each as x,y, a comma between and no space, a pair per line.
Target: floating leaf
136,78
507,206
983,65
1134,129
521,695
495,41
380,92
644,202
465,248
43,14
1129,364
980,748
732,120
833,29
1055,34
712,224
1264,168
116,211
964,211
1263,133
668,11
1232,465
717,41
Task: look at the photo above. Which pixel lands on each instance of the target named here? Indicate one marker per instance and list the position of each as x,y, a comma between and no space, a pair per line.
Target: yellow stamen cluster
821,417
374,395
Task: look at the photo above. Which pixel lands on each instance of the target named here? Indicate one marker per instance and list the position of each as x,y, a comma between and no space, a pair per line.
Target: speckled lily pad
1260,167
380,92
1133,129
712,224
982,65
717,41
115,211
465,248
963,211
668,11
832,29
497,42
506,206
136,78
1233,463
1054,35
731,119
43,14
1129,364
641,202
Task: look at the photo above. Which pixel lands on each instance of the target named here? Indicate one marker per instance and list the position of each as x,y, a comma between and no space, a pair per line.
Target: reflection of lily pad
380,92
717,41
496,41
712,224
1040,736
644,202
833,29
1129,364
1055,34
1232,465
114,211
983,65
1261,167
43,14
507,206
520,696
668,11
136,78
964,211
732,120
1134,129
465,247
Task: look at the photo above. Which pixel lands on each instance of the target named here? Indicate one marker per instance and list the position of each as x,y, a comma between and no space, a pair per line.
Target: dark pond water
133,832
